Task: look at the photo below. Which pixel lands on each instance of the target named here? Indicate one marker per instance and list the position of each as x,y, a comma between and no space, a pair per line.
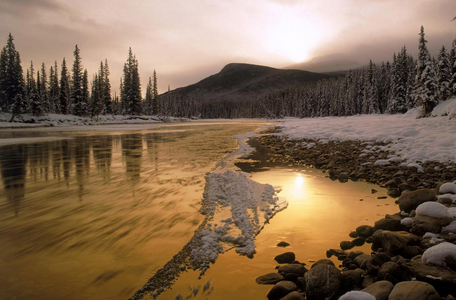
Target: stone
353,234
368,280
323,261
411,251
443,279
292,268
394,272
283,244
343,177
354,254
351,279
322,281
294,296
387,224
394,192
423,224
393,242
358,241
356,295
410,201
362,260
365,231
413,290
340,254
346,245
271,278
285,258
380,289
281,289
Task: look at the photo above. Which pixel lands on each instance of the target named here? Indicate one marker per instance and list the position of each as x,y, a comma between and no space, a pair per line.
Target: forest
392,87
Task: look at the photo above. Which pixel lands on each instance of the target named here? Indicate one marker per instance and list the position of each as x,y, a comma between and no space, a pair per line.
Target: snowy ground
413,140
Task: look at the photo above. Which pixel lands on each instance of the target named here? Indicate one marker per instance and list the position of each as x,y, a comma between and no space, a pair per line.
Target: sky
187,40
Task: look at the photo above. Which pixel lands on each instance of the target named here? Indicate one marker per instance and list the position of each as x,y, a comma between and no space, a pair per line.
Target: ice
433,209
357,295
437,254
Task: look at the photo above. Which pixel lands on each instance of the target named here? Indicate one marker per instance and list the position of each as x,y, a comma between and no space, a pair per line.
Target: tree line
70,93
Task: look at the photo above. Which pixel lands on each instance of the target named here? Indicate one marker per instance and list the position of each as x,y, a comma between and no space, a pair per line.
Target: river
93,214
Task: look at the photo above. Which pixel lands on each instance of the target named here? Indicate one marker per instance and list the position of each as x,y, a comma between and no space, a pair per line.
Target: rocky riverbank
413,251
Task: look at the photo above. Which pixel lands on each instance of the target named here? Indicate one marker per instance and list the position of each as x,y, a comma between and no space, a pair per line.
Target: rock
293,269
380,289
294,296
357,295
340,254
285,258
373,191
323,261
391,184
394,242
358,241
413,290
365,231
443,279
281,289
368,280
422,224
394,272
410,201
354,254
283,244
351,279
271,278
322,281
411,251
346,245
387,224
394,193
343,177
353,234
362,260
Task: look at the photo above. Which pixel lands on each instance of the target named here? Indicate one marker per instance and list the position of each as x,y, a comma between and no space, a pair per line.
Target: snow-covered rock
357,295
448,188
437,254
433,209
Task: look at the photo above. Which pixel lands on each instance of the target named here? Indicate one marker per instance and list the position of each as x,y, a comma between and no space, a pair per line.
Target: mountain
332,64
238,81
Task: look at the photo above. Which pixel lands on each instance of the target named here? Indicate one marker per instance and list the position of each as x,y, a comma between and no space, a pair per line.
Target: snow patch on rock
357,295
433,209
436,255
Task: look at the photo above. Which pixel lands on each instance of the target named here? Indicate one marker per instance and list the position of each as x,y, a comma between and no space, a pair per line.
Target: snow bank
445,108
433,209
357,295
412,139
437,254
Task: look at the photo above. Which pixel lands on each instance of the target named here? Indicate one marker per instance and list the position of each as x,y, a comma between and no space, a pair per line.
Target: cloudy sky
187,40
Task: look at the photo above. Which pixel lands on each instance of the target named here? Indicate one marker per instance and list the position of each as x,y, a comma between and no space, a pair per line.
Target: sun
292,38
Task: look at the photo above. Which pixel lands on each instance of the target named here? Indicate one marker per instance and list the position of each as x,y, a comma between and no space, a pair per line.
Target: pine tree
425,82
453,67
130,92
85,87
155,108
43,89
11,76
64,94
444,75
78,104
54,89
36,102
96,104
107,100
149,98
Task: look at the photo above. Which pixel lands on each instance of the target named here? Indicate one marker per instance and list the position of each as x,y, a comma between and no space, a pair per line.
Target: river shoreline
398,244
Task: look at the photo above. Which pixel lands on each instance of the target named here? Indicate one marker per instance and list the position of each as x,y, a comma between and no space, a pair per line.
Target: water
94,215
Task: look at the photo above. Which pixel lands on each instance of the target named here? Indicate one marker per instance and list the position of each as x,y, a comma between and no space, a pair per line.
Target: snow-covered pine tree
155,107
107,100
44,90
96,103
453,67
54,89
77,99
64,93
411,66
85,88
131,86
11,76
148,99
444,75
398,99
36,102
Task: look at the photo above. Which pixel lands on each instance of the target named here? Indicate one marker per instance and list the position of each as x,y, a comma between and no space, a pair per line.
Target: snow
448,187
411,139
236,209
434,277
450,228
357,295
436,254
434,237
381,162
433,209
406,221
446,108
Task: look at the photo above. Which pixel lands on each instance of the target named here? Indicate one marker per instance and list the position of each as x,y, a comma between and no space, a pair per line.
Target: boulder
346,245
294,296
443,279
422,224
357,295
380,289
358,241
292,269
351,279
394,272
387,224
322,281
271,278
323,261
362,260
394,242
283,244
410,201
413,290
353,234
365,231
340,254
281,289
285,258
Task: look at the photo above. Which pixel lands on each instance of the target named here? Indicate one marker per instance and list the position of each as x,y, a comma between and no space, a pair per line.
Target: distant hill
238,81
330,64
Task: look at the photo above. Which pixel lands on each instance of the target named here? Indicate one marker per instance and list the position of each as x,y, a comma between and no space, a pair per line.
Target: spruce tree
149,98
43,89
54,89
78,104
11,76
85,88
155,108
107,100
453,67
131,86
96,104
64,94
444,75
